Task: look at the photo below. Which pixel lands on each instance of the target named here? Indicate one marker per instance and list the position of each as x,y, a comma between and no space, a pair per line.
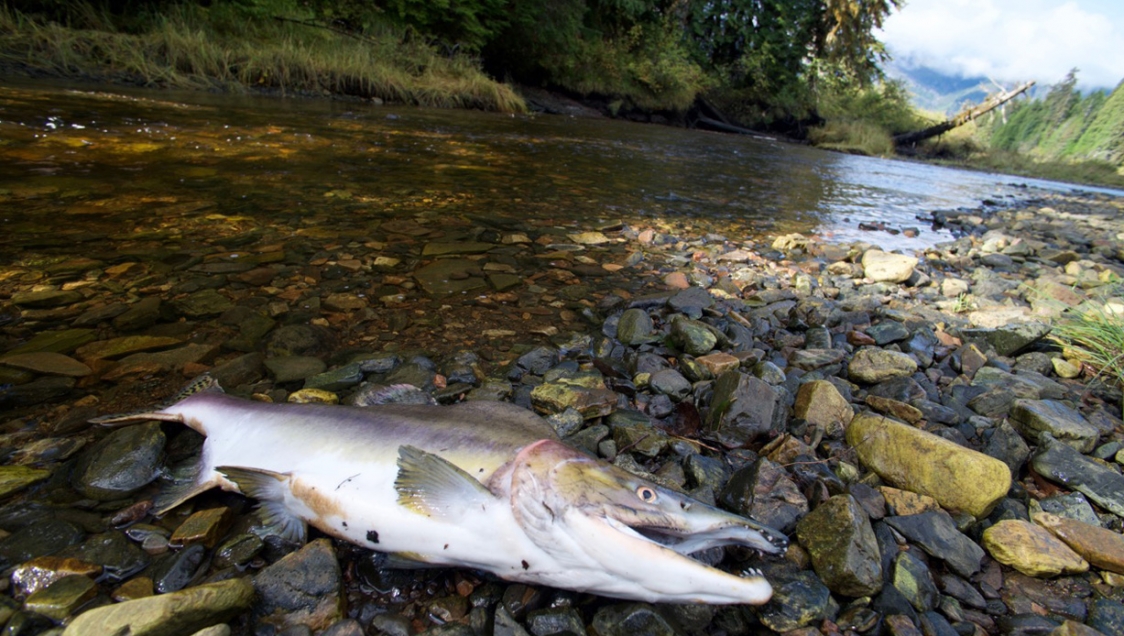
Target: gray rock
705,472
1006,445
630,619
120,463
632,431
303,588
1032,417
691,298
38,391
936,533
447,276
763,490
241,370
1107,616
670,383
284,369
1061,464
1008,340
635,327
840,540
912,578
339,379
887,331
118,556
299,340
692,336
741,410
878,365
41,538
798,600
555,621
1071,505
174,570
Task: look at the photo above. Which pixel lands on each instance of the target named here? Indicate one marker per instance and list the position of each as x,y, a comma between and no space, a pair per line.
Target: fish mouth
763,540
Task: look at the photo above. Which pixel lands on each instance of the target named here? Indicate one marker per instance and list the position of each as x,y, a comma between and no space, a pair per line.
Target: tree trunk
963,117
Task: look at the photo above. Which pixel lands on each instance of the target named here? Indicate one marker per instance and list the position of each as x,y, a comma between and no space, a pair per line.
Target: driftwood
963,117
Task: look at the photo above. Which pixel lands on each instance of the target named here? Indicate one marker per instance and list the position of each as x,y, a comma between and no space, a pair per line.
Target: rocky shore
942,464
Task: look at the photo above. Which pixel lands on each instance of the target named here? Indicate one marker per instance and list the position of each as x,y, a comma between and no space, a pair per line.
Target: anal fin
433,486
269,488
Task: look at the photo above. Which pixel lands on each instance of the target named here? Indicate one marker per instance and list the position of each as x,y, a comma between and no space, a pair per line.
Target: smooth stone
1006,445
691,298
47,362
914,580
884,267
840,540
63,341
38,573
630,619
798,600
120,463
448,276
467,247
205,303
503,282
718,362
1106,615
872,366
1031,417
1073,628
764,491
957,477
904,503
205,527
336,380
241,370
174,570
59,599
113,551
43,389
175,614
134,588
1073,505
556,621
16,478
894,408
820,404
1011,339
143,313
632,431
693,336
1060,463
46,298
171,359
556,397
284,369
342,302
1100,547
887,331
1031,549
117,347
42,538
742,409
635,327
303,588
238,550
670,383
812,359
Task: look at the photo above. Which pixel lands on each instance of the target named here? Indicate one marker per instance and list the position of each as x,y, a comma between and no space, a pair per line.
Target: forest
806,69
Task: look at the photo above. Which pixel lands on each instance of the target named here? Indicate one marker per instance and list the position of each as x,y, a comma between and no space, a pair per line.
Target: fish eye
647,494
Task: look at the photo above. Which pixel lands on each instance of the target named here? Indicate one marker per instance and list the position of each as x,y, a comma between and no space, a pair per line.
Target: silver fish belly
485,485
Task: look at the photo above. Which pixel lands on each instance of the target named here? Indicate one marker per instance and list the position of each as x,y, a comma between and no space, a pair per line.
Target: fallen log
963,117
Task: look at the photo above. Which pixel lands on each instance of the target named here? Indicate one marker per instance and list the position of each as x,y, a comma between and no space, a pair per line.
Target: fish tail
203,384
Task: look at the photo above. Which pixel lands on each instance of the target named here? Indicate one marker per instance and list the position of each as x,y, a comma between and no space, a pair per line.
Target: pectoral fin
432,486
269,488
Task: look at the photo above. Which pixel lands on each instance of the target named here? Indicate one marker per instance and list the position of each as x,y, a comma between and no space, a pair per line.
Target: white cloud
1012,40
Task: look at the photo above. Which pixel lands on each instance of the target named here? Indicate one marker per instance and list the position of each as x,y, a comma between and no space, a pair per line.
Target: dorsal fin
202,384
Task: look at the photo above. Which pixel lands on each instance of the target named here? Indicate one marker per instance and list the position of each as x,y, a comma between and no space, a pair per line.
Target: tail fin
202,384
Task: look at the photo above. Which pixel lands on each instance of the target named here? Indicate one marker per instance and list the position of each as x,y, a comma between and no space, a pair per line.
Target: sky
1012,40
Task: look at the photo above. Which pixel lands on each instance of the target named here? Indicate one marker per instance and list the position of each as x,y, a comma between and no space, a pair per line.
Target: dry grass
186,50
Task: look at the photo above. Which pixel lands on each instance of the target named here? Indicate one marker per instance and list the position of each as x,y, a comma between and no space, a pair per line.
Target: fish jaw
619,535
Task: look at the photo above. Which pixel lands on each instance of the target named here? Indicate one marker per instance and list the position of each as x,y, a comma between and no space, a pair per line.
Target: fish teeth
752,572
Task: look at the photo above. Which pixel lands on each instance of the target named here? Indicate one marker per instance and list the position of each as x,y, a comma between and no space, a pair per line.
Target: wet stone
46,298
1031,417
59,599
630,619
123,346
42,538
47,362
38,573
313,396
63,341
178,613
798,600
556,621
444,277
206,303
339,379
120,463
38,391
241,370
113,551
936,533
878,365
16,478
632,431
174,570
143,313
139,587
670,383
284,369
298,340
238,550
303,588
844,551
205,527
693,336
557,397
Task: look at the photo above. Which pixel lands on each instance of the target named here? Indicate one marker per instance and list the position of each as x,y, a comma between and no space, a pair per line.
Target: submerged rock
177,614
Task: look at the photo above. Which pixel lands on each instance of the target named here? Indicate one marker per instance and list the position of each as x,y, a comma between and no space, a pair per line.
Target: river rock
1107,615
46,298
40,572
628,619
39,390
693,336
887,331
120,463
1031,417
935,532
1006,445
812,359
241,370
884,267
691,298
1100,547
957,477
338,379
205,303
303,588
820,404
1062,464
763,490
878,365
59,599
742,409
204,526
284,369
112,551
47,362
176,614
844,551
798,600
670,383
913,579
118,347
555,621
173,571
1031,549
41,538
635,327
450,276
556,397
143,313
63,341
16,478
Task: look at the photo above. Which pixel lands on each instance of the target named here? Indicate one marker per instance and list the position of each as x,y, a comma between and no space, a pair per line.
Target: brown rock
676,280
135,588
205,526
820,404
718,363
38,573
1100,547
894,408
1031,549
903,502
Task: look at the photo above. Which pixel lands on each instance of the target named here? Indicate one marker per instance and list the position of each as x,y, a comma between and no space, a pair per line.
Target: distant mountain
936,91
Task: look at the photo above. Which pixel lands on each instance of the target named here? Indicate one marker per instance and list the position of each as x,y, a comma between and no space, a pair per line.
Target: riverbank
788,379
